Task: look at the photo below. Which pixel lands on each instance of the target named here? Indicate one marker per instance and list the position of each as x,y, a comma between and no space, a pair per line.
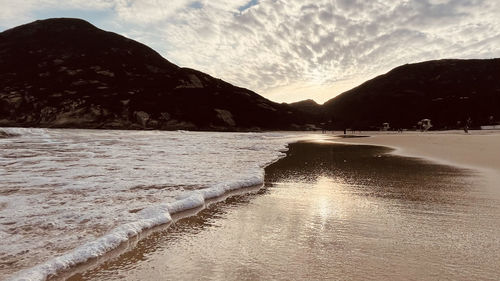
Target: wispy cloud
290,50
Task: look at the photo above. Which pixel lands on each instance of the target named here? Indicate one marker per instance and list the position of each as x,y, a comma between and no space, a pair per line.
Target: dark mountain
445,91
309,106
68,73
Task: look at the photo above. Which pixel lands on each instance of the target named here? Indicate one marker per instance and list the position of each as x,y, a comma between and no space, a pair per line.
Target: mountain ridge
447,91
66,72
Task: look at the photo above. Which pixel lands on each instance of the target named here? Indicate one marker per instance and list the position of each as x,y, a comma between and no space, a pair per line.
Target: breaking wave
77,195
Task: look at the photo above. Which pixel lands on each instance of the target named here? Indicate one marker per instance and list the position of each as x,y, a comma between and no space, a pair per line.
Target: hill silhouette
445,91
67,73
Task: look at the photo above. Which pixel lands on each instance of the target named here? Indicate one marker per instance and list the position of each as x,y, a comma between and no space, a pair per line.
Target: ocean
69,195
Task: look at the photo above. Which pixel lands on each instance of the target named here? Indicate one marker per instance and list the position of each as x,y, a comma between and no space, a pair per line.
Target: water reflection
332,212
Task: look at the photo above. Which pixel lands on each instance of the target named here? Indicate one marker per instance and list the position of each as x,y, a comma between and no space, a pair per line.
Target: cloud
271,46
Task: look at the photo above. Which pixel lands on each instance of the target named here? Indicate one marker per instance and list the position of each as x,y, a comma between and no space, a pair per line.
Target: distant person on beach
467,125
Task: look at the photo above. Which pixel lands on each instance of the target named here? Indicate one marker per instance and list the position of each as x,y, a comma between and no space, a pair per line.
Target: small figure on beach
385,127
467,125
419,126
425,124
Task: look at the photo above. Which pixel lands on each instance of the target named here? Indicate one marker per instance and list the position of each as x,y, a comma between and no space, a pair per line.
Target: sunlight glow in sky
288,50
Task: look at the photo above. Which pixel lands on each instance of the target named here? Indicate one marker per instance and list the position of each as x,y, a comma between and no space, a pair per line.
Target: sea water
70,195
331,212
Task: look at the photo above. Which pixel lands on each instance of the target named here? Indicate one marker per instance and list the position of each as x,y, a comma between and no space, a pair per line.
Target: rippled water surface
332,212
60,189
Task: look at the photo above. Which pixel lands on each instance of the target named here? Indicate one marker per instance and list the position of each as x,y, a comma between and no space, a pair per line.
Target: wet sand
332,212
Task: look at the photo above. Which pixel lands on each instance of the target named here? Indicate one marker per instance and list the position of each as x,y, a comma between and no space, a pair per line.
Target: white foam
71,186
151,217
91,249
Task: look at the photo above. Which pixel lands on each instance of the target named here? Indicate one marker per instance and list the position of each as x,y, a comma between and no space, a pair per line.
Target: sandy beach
476,150
342,212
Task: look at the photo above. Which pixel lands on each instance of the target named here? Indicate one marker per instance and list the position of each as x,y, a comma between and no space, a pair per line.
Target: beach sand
341,212
478,149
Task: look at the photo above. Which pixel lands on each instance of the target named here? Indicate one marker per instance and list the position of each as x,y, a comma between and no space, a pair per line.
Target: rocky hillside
445,91
68,73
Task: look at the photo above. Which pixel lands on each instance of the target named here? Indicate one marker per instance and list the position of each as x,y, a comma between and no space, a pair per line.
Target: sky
288,50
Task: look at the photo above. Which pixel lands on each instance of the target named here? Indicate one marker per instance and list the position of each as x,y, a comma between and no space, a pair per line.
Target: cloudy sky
288,50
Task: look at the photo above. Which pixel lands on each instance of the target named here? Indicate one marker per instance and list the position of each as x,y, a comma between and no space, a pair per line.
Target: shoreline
400,147
131,242
163,187
316,199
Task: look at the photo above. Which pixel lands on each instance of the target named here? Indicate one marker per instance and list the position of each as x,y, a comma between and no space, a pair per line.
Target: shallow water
68,195
332,212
